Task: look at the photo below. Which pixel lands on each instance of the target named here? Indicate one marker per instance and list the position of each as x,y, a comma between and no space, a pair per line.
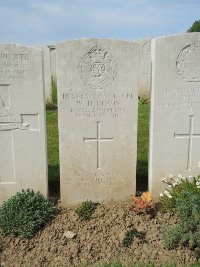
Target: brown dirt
99,239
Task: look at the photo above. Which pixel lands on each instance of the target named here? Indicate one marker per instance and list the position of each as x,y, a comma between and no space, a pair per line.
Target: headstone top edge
95,40
176,35
39,48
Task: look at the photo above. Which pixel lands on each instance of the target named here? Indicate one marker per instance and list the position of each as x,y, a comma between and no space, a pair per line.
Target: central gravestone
23,159
97,94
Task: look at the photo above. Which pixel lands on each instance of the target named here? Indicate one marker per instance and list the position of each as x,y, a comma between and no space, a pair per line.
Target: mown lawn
142,151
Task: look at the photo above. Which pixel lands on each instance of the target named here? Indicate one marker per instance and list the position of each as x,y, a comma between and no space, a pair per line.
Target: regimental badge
97,68
188,63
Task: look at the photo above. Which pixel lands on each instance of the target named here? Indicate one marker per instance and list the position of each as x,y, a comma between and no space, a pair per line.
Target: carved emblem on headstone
97,68
146,49
188,63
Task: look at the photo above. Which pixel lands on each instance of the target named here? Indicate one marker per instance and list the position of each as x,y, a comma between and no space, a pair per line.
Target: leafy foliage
144,204
172,235
186,198
130,235
25,213
195,27
85,210
176,187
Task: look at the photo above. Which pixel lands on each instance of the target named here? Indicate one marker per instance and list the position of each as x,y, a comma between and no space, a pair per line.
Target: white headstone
175,108
97,102
144,67
23,159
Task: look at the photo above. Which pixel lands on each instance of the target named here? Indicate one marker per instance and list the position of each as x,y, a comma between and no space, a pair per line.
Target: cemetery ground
100,240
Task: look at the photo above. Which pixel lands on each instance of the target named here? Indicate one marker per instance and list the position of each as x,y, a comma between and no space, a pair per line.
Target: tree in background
195,27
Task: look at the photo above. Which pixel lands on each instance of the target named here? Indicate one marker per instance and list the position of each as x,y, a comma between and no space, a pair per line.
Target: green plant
25,213
186,203
130,235
144,204
172,235
85,210
176,185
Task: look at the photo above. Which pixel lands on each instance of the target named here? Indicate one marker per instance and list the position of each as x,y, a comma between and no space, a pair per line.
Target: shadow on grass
54,181
142,176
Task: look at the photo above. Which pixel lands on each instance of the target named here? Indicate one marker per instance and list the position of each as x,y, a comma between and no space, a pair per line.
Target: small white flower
199,164
171,176
167,194
161,195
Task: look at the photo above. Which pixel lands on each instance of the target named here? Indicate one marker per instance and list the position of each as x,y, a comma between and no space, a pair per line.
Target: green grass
142,147
52,142
142,152
54,91
141,264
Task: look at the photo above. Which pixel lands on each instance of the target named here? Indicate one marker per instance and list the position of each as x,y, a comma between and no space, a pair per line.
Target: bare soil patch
100,239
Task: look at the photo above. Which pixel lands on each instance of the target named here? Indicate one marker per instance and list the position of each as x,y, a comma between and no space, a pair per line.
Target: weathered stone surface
97,99
23,159
175,108
144,67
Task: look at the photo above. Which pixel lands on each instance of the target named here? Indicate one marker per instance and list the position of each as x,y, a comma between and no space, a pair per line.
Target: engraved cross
11,121
189,136
98,140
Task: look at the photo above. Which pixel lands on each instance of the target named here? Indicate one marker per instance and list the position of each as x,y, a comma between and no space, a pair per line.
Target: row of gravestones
98,84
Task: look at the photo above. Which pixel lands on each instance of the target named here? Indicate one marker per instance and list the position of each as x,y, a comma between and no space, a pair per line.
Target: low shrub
184,199
25,213
177,185
172,235
85,210
144,204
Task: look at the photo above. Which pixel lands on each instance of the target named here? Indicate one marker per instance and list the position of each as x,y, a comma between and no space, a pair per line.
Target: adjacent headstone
23,158
47,75
175,108
144,67
97,102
